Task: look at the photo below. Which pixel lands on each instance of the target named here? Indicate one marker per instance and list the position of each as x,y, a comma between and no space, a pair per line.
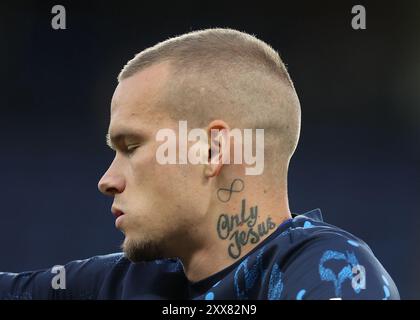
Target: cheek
152,182
142,165
188,190
168,189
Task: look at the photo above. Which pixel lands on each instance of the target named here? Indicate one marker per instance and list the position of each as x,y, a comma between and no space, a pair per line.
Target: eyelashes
130,149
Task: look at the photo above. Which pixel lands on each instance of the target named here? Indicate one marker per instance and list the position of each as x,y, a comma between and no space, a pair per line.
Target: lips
116,212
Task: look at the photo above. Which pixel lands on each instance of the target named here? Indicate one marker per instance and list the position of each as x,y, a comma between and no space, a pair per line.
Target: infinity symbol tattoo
224,194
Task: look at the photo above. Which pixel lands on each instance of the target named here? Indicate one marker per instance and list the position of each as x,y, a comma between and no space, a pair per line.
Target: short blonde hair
203,48
231,75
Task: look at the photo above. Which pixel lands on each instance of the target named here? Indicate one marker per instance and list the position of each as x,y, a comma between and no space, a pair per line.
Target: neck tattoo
229,227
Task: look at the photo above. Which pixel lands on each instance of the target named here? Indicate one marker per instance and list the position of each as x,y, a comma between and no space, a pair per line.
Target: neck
238,223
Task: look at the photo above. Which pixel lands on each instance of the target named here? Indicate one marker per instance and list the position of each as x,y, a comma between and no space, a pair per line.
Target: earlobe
214,166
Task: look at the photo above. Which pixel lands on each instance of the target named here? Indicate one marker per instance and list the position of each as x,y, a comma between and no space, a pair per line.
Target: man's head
213,79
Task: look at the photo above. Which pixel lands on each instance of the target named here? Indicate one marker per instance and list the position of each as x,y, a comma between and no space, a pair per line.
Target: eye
131,148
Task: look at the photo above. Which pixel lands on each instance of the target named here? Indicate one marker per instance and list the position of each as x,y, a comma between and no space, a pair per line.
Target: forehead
138,97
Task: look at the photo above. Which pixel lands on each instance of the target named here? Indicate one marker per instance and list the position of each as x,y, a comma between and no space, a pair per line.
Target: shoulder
329,262
98,265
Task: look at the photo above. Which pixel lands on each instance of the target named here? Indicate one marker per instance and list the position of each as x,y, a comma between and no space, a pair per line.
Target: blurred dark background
358,158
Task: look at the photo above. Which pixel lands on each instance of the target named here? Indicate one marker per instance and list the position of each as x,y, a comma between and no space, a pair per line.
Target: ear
219,147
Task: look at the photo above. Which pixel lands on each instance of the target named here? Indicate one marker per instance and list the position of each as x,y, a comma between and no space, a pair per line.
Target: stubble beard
142,250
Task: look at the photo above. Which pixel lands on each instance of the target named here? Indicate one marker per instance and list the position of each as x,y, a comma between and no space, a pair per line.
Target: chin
138,250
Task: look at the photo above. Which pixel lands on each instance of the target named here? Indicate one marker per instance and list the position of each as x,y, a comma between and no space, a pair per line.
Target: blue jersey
304,258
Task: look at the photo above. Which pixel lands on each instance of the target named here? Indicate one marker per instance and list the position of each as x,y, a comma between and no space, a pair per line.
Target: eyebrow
114,140
109,142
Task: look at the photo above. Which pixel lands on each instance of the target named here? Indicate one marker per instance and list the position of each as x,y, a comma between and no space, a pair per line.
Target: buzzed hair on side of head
226,74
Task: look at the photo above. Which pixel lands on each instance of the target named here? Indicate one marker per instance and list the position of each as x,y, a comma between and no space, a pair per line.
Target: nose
111,183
